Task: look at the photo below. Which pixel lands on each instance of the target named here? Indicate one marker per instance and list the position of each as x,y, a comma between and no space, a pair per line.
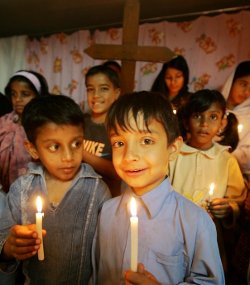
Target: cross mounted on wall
129,52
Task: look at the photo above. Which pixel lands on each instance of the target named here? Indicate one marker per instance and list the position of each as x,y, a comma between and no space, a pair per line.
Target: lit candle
240,128
39,221
211,191
134,235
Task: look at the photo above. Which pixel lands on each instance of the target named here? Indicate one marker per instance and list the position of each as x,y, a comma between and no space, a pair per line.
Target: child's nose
204,121
131,153
67,154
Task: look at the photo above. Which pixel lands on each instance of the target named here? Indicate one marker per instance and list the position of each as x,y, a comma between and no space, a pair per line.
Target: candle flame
133,207
39,204
211,190
240,127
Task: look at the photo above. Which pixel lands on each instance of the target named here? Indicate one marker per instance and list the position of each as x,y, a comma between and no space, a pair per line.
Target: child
173,81
177,240
202,161
23,86
237,94
72,195
103,88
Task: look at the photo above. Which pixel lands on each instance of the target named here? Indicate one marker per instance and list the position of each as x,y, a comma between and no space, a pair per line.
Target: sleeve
206,267
10,216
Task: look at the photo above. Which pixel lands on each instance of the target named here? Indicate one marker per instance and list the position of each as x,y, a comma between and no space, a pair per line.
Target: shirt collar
85,170
151,201
214,151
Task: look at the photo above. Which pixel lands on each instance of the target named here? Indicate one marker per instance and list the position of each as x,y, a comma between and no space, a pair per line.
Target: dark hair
5,105
109,72
113,65
151,105
21,78
58,109
243,69
178,63
230,134
201,101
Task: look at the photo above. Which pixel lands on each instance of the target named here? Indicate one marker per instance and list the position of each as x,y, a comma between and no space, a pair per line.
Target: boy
72,195
177,239
103,88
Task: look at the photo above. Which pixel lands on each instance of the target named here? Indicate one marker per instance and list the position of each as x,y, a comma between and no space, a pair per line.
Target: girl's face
204,126
21,94
239,92
101,93
174,80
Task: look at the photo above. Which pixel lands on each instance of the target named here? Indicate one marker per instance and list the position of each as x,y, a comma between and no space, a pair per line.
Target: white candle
211,191
39,227
240,128
134,235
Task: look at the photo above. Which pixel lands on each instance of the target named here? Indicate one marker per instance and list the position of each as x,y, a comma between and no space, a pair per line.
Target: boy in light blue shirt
177,239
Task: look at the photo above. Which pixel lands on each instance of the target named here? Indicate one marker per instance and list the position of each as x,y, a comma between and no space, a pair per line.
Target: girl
23,86
202,161
173,81
236,91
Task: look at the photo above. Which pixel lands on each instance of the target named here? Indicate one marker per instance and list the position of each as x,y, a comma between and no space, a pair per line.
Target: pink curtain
211,45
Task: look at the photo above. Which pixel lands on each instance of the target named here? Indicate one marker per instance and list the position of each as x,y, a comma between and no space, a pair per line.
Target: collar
85,170
151,202
212,152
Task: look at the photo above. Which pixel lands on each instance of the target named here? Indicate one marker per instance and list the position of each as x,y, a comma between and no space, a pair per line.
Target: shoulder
110,206
190,212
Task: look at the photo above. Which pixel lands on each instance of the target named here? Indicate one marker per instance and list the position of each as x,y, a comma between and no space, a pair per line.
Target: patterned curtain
211,45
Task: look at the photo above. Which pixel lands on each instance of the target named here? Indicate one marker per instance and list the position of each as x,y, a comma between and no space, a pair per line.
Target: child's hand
141,277
22,242
220,208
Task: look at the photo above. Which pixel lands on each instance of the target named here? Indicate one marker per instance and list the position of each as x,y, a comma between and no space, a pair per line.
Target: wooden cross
129,52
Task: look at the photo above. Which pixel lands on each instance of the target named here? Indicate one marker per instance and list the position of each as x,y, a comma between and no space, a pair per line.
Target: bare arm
103,166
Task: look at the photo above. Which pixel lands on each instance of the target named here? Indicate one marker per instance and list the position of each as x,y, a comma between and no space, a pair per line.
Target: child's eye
214,117
147,141
117,144
77,144
196,116
90,90
104,89
54,147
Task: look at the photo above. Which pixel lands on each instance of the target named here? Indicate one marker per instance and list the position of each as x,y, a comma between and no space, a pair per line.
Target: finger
24,231
140,268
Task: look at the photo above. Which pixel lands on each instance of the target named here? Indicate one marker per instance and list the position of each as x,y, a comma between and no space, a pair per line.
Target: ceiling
44,17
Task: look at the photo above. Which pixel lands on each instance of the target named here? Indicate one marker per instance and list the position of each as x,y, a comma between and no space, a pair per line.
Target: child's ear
31,149
117,92
174,148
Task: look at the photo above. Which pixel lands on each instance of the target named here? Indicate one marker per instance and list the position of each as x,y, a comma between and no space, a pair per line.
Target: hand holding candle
134,235
39,219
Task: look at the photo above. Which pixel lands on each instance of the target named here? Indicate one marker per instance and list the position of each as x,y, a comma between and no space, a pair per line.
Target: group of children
86,238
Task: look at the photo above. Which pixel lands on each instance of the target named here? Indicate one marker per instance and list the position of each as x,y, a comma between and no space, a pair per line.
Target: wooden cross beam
129,52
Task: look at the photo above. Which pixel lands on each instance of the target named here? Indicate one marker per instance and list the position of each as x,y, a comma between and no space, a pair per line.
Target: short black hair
108,71
58,109
151,105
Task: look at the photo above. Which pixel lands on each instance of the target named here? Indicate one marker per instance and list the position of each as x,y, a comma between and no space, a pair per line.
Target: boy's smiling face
101,93
141,156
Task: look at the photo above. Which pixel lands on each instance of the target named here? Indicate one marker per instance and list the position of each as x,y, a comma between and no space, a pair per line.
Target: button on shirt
177,239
